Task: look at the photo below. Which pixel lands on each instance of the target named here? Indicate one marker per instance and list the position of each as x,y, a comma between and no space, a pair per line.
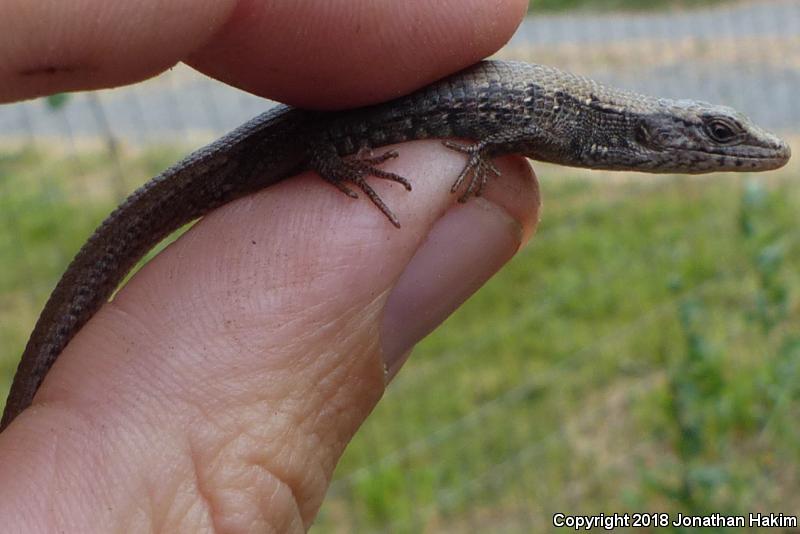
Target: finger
309,52
371,51
223,382
49,47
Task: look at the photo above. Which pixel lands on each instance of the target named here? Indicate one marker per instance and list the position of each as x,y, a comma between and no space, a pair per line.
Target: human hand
219,388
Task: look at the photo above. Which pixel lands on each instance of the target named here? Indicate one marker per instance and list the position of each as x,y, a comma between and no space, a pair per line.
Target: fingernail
464,249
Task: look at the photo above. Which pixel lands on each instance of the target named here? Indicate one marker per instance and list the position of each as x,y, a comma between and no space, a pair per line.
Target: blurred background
642,354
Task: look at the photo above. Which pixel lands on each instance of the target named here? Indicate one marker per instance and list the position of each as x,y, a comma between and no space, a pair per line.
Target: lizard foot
478,168
339,172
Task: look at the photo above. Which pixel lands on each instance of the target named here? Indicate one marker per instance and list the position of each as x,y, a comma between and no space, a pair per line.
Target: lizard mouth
726,160
740,158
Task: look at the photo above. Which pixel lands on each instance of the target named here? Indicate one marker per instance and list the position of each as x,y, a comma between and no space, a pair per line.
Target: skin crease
219,388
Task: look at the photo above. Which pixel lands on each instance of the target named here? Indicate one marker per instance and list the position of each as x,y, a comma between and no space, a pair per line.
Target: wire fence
645,343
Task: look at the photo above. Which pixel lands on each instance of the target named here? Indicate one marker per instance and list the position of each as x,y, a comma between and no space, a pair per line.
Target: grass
618,363
48,207
537,6
639,355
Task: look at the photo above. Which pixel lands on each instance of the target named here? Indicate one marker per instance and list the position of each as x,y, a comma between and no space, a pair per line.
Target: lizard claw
478,168
366,156
339,172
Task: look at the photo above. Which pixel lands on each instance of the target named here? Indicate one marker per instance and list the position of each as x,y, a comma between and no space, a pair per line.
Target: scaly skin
504,107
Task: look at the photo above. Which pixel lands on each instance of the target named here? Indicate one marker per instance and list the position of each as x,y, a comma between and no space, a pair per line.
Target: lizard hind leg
340,172
477,170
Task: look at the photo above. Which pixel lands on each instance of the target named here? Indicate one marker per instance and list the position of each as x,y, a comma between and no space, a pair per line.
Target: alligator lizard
502,107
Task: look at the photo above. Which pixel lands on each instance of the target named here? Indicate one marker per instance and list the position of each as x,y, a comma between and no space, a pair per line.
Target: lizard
500,107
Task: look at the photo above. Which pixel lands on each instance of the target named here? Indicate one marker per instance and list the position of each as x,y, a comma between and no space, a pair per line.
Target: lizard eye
722,131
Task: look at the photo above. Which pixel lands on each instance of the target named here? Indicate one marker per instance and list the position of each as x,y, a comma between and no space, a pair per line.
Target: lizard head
695,137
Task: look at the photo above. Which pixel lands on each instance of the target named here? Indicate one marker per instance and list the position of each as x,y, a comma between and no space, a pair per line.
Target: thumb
222,384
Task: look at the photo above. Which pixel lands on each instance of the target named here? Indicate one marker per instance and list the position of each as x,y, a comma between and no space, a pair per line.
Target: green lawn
641,354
